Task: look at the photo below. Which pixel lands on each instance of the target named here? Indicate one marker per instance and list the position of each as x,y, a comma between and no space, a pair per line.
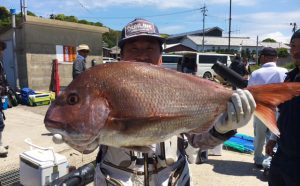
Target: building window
65,54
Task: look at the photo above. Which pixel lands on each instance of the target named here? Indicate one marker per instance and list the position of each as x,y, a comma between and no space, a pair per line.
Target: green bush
282,52
254,67
289,66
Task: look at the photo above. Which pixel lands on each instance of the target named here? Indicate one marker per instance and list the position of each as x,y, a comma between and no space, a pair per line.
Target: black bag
12,96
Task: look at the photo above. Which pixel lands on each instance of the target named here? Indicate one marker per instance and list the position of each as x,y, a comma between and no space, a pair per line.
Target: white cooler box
38,167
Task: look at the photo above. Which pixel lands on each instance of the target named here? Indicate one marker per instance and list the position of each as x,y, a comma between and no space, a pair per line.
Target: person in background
268,73
3,92
247,66
284,170
79,64
238,66
190,66
166,163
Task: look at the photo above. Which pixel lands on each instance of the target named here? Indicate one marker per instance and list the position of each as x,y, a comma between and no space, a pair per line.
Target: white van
108,60
171,61
205,61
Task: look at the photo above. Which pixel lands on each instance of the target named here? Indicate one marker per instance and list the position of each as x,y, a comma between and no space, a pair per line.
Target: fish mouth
80,143
52,124
56,127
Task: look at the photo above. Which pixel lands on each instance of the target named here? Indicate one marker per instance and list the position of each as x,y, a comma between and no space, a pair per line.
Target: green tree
30,13
60,17
282,52
269,40
83,21
5,21
164,36
111,37
71,19
98,24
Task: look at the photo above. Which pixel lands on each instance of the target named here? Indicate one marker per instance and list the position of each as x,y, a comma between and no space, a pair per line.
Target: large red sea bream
132,105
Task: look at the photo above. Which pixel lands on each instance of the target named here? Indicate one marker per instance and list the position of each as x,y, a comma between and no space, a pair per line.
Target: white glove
239,112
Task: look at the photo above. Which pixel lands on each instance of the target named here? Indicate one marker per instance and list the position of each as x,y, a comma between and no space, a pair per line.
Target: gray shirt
78,66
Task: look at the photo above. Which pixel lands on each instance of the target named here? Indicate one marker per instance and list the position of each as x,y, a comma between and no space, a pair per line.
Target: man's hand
270,147
239,112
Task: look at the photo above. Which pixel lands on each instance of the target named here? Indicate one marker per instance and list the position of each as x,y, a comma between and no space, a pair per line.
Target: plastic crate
39,99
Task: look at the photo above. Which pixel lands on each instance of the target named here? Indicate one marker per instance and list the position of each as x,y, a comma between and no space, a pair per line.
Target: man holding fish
143,118
165,163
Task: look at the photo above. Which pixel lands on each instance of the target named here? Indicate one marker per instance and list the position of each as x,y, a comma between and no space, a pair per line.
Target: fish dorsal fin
133,123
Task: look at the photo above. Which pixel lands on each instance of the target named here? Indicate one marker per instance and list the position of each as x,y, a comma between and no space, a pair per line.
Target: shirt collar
80,57
269,64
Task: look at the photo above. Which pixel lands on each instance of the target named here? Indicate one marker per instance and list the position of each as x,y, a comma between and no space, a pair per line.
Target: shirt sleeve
208,140
77,68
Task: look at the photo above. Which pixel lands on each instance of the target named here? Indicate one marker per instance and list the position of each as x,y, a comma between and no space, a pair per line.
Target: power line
149,16
83,6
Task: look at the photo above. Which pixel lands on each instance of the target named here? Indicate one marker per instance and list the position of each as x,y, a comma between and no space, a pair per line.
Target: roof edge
63,24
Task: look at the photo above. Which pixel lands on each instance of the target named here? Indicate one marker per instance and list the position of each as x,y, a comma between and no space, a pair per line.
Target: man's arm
239,112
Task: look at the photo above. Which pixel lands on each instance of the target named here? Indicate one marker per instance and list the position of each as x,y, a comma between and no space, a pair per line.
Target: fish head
78,114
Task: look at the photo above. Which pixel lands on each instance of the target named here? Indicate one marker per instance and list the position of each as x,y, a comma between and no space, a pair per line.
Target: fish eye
73,99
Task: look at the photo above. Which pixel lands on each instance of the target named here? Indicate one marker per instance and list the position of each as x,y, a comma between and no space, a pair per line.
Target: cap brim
160,39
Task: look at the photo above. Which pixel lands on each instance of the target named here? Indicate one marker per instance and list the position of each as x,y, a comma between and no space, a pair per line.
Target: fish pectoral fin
135,123
144,149
268,117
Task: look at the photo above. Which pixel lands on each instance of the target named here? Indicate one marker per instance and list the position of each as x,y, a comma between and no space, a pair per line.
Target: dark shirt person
238,66
284,170
79,64
3,92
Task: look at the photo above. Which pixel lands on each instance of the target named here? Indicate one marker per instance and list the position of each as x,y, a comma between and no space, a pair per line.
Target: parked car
252,62
108,60
204,63
171,61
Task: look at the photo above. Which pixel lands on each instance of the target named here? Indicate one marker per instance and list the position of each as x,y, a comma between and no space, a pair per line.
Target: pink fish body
132,105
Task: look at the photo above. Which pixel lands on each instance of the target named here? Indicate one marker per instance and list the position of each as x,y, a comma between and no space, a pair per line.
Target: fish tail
268,97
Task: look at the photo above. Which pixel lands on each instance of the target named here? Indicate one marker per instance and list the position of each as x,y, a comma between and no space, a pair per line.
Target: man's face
83,53
295,51
142,49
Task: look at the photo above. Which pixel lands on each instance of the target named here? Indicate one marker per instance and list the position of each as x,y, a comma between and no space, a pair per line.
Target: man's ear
160,60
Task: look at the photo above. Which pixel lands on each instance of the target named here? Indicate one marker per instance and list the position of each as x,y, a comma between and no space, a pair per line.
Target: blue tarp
240,142
25,92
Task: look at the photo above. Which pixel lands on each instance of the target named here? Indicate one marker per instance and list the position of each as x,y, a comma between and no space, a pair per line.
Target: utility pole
203,10
13,22
257,50
23,5
229,32
294,27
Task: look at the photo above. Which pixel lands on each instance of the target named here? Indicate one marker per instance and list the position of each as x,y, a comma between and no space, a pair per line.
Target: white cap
83,47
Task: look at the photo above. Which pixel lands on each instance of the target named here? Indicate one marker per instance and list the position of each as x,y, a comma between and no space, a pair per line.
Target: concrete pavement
27,122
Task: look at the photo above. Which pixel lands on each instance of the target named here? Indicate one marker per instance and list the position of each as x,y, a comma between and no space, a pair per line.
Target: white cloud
174,29
234,3
275,25
159,4
278,36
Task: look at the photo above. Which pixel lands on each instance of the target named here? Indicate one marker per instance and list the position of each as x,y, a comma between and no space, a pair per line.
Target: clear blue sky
265,18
